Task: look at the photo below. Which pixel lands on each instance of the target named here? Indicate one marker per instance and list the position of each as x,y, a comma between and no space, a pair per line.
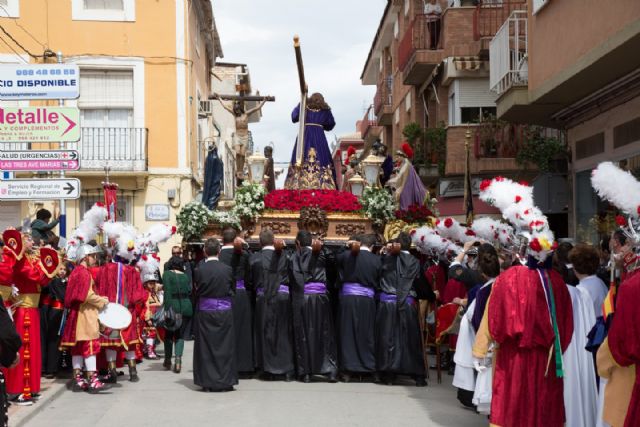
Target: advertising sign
39,124
39,81
40,189
52,160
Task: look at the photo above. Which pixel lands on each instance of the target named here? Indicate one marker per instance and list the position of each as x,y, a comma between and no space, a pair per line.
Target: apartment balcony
420,50
509,70
489,16
121,149
383,102
492,148
370,130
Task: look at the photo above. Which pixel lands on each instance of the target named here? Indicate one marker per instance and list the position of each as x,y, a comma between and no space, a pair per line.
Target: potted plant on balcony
548,153
436,139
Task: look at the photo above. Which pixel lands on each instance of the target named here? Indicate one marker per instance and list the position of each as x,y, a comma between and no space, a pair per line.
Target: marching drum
115,316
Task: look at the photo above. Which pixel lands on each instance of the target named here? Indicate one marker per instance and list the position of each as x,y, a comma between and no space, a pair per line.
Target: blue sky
335,36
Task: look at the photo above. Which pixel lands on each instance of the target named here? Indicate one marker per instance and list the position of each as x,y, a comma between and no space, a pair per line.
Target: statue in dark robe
213,176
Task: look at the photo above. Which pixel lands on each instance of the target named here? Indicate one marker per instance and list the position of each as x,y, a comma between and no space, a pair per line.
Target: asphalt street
167,399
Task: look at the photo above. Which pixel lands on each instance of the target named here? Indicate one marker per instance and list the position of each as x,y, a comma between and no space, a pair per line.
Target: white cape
464,375
580,390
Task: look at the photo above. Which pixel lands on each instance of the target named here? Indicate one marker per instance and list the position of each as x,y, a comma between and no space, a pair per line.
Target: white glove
14,291
479,365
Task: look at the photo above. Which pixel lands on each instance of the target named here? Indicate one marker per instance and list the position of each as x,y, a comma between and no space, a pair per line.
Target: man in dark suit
236,257
273,316
359,274
214,363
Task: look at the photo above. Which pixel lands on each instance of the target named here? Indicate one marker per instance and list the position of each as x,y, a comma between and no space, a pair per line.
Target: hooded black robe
273,326
313,328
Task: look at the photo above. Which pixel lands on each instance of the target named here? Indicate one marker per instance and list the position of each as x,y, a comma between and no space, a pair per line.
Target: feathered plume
618,187
158,233
87,230
515,201
451,229
149,266
494,231
429,242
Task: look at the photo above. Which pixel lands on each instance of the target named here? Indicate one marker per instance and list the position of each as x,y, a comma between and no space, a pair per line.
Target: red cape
624,338
525,394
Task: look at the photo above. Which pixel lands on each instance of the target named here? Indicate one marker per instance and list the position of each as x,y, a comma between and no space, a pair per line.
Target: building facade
583,79
144,68
432,78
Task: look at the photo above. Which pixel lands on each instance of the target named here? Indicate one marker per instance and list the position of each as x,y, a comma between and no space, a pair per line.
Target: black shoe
288,377
333,378
421,381
389,379
306,379
376,377
346,378
110,378
133,374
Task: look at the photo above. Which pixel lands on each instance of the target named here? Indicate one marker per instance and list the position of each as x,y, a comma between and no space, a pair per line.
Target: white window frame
12,10
132,63
79,13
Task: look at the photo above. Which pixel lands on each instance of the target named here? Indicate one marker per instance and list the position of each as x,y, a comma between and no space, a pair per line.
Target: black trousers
434,33
4,405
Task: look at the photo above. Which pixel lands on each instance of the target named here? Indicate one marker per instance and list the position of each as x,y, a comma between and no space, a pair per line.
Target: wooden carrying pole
303,101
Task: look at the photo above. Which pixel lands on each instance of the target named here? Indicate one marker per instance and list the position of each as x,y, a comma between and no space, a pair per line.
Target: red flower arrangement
415,214
295,200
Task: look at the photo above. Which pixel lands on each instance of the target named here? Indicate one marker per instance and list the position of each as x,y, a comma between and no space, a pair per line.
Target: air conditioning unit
204,109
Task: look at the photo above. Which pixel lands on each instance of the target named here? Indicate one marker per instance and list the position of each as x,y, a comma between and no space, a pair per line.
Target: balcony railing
384,95
417,37
508,54
491,14
497,140
122,149
368,121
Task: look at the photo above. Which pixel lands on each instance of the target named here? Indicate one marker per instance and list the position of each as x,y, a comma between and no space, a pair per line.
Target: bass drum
115,316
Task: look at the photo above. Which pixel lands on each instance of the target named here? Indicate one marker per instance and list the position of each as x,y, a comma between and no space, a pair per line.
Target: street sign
36,160
39,124
40,189
39,81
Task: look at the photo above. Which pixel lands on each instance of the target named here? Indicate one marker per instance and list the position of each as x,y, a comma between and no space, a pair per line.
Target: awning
469,63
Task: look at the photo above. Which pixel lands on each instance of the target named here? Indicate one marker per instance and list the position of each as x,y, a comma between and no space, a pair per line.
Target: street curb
25,414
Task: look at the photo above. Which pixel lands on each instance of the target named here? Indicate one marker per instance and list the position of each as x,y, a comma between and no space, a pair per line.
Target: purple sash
240,285
357,290
315,288
283,289
384,297
215,304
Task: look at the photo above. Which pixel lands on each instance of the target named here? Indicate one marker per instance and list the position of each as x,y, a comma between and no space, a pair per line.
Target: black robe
242,307
313,328
357,314
213,179
50,319
214,363
398,341
273,325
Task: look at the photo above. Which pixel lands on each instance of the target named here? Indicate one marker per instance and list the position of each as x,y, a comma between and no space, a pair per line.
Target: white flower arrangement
192,219
226,219
378,205
249,201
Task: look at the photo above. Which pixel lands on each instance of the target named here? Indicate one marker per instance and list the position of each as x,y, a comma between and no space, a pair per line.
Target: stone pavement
167,399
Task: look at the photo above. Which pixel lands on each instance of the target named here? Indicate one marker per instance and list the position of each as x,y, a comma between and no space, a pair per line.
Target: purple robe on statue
413,192
317,122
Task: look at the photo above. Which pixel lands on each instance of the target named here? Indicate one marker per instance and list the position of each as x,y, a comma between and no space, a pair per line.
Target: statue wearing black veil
213,176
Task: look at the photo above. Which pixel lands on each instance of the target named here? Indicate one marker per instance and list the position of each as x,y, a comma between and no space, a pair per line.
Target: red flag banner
111,199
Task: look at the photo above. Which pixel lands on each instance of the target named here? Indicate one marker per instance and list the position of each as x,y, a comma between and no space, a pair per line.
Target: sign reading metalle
40,189
39,124
36,160
39,81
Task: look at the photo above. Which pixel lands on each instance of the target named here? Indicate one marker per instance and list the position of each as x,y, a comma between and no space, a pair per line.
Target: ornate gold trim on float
340,226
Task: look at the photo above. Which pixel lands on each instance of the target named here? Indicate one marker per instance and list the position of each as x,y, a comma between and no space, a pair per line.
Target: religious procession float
378,195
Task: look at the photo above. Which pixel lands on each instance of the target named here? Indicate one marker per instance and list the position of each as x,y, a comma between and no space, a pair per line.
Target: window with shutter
104,4
103,10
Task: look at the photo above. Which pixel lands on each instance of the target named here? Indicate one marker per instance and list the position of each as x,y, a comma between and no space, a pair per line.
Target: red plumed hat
407,150
351,151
